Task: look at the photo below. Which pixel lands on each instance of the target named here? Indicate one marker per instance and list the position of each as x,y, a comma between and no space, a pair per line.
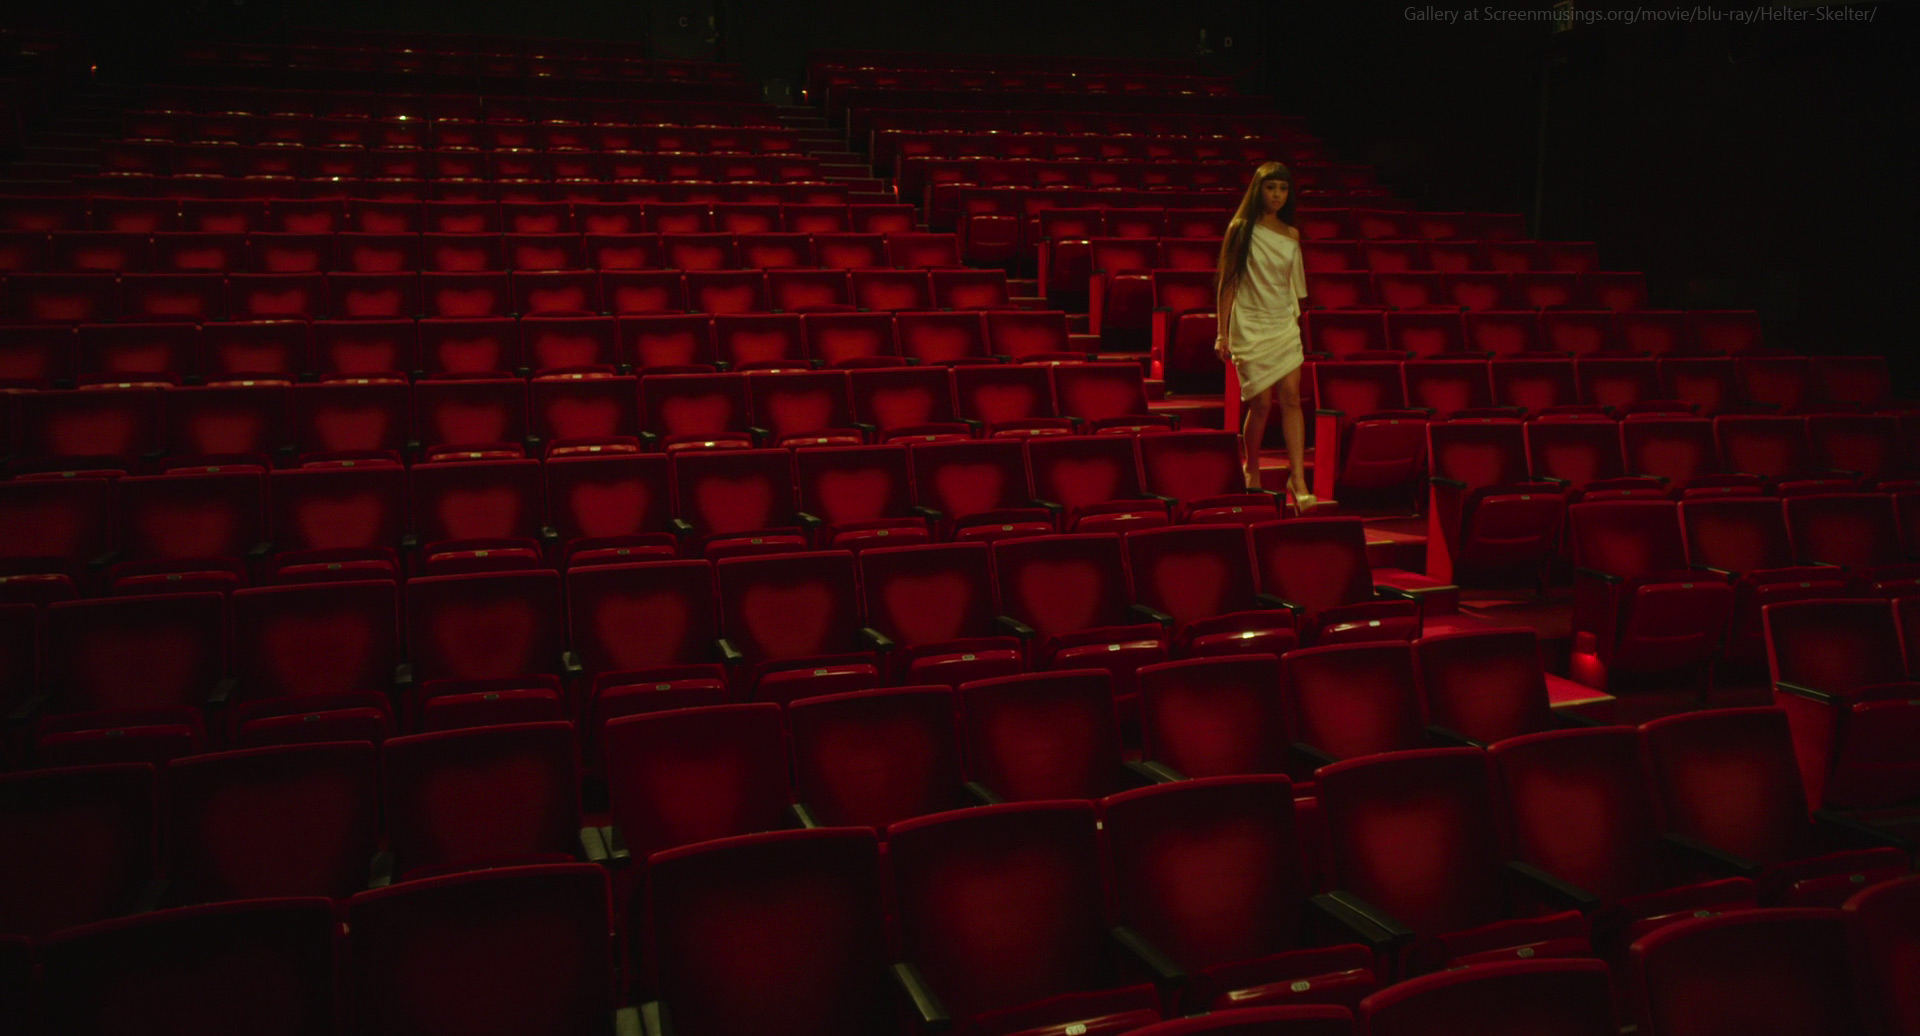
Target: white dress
1264,337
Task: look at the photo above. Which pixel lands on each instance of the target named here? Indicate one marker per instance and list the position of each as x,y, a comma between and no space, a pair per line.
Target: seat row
1497,313
1691,976
850,104
892,151
478,250
137,427
1069,239
1063,135
1584,451
1125,870
264,188
1843,670
1661,588
1544,385
43,215
927,162
872,125
761,136
919,176
1067,235
1481,474
199,298
353,70
642,634
134,532
826,77
154,159
486,60
1365,333
45,356
1458,254
1490,290
263,115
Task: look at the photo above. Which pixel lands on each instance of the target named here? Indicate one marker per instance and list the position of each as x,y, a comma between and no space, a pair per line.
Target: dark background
1762,166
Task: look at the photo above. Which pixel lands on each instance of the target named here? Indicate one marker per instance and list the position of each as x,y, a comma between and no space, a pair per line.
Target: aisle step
1436,598
1398,542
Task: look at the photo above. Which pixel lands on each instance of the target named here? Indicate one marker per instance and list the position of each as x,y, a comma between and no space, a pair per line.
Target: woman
1262,284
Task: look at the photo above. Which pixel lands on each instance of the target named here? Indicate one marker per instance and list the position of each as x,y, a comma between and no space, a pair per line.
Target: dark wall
1757,166
1754,166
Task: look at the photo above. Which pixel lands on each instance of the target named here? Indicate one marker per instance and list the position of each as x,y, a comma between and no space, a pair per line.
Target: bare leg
1253,428
1293,425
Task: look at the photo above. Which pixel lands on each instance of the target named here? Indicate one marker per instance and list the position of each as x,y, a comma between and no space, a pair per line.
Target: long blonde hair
1239,238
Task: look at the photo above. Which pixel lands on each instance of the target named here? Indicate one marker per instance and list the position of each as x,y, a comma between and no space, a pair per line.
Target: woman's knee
1260,404
1287,393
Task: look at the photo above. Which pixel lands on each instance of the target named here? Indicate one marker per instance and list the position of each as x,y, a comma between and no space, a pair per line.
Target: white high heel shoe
1302,502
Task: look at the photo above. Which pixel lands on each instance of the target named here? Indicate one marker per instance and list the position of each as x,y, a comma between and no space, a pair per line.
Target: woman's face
1273,195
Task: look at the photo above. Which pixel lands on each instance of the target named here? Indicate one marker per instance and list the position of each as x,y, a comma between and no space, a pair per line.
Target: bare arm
1223,318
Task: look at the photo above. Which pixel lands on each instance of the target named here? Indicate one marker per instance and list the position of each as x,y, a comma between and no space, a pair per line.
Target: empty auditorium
861,518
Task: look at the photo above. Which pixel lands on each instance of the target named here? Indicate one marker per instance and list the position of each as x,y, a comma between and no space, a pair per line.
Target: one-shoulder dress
1264,339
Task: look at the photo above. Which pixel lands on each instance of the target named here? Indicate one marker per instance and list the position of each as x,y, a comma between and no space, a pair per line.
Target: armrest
1272,601
803,816
403,676
1723,573
1594,573
259,552
222,692
681,527
1718,858
570,666
1452,737
1014,626
759,434
380,870
1545,881
410,543
1155,773
729,655
1855,831
808,521
1329,413
27,710
1151,614
616,843
866,428
926,1004
1166,971
1313,755
593,848
1804,692
1394,592
879,641
1551,480
1445,483
983,794
152,893
1371,925
1052,507
930,513
1163,498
